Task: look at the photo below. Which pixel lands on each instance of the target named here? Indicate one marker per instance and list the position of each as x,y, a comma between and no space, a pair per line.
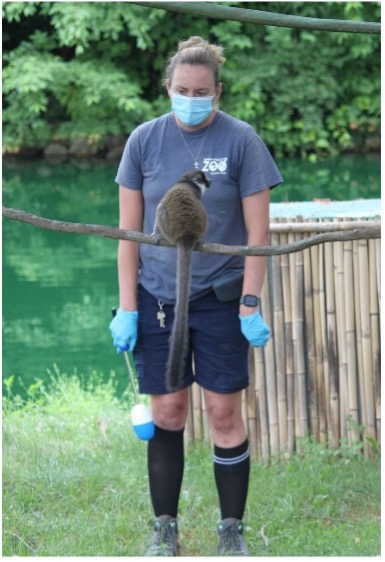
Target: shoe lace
231,538
164,534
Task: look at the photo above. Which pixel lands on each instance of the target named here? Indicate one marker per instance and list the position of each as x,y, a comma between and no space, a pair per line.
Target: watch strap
249,300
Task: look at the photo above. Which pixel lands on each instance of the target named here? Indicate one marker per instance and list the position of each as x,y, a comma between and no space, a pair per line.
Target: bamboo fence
319,375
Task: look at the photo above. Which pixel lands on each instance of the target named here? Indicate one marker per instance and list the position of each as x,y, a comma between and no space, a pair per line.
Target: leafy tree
94,69
309,92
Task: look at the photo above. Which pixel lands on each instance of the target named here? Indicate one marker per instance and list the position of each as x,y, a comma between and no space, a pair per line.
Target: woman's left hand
255,330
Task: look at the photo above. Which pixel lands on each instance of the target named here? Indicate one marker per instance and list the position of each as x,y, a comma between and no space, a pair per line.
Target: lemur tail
179,334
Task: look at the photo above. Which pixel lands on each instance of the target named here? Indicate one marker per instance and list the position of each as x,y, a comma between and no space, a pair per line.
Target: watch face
250,300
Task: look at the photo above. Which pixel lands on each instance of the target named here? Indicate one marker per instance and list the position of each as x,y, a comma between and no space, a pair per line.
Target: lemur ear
205,179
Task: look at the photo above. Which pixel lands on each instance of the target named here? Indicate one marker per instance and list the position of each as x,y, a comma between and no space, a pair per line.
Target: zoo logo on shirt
215,165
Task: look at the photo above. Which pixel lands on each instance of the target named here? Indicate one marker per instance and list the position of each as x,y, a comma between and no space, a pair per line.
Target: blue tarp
326,209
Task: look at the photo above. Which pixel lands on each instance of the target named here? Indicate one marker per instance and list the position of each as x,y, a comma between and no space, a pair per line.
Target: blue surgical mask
191,111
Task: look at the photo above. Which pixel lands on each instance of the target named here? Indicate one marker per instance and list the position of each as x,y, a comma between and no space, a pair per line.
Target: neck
202,125
198,187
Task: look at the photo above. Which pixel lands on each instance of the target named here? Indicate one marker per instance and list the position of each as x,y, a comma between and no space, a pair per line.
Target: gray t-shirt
238,163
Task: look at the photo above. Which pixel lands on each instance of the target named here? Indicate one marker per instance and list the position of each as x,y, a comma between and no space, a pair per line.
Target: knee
169,414
222,418
224,414
172,418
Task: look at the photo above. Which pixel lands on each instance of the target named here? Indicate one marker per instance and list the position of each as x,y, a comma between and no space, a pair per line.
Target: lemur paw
156,237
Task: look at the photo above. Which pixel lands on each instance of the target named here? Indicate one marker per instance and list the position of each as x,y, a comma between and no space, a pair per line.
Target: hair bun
194,41
216,51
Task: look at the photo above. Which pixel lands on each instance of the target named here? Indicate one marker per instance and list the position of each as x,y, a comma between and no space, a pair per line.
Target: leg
157,233
221,368
166,453
231,468
165,469
231,451
165,449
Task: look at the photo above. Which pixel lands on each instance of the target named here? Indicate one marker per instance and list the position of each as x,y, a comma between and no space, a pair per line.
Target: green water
58,289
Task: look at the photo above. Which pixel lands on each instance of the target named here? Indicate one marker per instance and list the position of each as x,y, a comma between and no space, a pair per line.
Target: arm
131,218
257,221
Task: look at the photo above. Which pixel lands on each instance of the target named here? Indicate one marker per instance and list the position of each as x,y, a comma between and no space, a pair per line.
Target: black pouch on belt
228,287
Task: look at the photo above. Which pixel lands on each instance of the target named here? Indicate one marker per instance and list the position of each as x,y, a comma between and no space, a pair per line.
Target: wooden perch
213,10
362,233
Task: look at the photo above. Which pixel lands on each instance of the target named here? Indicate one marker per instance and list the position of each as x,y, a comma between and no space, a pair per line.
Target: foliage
75,484
93,69
309,91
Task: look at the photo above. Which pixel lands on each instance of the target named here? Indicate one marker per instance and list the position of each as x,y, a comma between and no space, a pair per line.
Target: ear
168,88
217,95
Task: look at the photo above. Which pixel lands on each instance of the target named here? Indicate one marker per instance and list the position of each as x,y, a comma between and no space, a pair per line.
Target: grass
75,484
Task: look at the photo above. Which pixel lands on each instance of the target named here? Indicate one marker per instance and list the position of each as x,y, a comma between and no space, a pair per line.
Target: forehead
192,76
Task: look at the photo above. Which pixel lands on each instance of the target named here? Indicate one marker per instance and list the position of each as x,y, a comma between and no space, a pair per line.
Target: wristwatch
249,300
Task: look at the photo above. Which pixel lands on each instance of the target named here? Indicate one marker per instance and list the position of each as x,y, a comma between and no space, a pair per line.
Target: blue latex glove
124,330
255,330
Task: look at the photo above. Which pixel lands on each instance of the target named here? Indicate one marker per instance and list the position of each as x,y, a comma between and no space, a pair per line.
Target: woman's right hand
124,330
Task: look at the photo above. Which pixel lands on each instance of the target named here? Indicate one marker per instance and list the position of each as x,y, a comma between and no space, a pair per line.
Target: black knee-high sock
165,456
232,470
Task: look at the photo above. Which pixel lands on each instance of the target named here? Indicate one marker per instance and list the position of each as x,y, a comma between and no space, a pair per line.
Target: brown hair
196,51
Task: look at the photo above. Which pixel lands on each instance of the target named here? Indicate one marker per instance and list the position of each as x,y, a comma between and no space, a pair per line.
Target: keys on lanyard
161,315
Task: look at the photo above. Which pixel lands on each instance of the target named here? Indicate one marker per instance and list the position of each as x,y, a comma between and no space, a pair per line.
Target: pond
58,289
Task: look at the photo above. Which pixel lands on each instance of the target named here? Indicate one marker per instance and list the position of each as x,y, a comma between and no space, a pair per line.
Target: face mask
192,111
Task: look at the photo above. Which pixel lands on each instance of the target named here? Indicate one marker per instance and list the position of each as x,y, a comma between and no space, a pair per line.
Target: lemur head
198,178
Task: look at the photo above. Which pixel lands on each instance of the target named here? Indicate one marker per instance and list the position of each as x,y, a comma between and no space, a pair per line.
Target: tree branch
210,248
212,10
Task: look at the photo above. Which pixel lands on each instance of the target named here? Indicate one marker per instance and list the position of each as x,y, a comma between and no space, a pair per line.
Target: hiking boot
164,541
231,541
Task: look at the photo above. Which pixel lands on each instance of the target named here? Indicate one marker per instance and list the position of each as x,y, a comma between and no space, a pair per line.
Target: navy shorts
218,352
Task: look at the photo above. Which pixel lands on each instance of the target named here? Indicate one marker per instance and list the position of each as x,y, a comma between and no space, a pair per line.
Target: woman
222,325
